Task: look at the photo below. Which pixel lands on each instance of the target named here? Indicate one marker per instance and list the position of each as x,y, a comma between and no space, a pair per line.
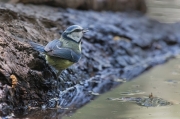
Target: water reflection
162,81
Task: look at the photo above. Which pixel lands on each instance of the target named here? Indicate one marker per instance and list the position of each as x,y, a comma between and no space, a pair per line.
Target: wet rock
144,101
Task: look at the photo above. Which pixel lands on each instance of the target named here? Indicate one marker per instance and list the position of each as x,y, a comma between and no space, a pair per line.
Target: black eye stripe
77,30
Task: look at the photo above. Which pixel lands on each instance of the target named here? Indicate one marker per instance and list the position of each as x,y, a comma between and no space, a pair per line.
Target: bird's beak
85,30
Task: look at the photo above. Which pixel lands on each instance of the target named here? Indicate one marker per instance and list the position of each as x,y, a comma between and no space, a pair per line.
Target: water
163,81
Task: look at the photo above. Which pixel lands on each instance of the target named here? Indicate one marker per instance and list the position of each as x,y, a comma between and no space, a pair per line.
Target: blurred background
162,10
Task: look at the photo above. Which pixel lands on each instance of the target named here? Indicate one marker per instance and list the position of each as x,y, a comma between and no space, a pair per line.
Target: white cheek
80,34
76,36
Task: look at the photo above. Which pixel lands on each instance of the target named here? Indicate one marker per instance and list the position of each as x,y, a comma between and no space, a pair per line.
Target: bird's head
74,33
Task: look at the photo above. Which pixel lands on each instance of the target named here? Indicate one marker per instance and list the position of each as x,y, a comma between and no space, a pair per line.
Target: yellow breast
58,63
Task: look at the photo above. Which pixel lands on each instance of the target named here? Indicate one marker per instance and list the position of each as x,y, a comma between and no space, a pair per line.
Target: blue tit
65,51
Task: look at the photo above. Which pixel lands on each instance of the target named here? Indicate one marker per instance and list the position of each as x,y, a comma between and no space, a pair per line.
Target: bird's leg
58,73
54,71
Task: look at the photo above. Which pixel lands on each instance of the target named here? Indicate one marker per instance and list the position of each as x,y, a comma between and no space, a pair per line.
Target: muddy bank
118,45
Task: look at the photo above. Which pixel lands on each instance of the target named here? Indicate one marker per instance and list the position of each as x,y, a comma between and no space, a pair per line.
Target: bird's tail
37,47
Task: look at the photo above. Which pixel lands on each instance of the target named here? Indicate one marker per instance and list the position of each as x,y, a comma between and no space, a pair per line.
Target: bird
65,51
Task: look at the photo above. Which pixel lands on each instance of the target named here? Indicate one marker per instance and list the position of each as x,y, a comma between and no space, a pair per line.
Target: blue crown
73,28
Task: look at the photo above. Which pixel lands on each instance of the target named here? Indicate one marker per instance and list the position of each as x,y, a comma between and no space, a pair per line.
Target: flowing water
162,81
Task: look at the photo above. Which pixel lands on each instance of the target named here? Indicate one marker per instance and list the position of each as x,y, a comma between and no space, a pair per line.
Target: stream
162,81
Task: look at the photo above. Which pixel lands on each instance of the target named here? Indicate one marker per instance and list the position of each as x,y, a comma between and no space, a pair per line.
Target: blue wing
54,48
